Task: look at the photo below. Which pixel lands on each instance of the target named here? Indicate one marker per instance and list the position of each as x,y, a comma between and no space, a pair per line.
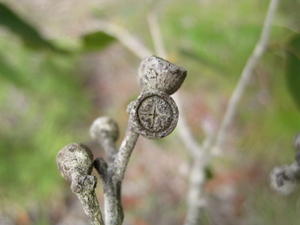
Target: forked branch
245,77
75,161
153,114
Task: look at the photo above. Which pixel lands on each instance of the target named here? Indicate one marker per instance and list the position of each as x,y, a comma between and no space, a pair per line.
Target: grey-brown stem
112,175
113,210
195,198
75,162
122,158
88,199
246,75
154,111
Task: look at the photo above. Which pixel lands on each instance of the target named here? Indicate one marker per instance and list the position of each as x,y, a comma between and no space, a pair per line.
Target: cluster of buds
153,114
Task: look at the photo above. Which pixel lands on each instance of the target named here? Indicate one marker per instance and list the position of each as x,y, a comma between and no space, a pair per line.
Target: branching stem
112,173
246,75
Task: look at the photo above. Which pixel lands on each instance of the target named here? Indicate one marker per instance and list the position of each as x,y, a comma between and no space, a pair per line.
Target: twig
169,78
141,51
202,156
123,36
133,44
195,196
195,199
185,133
182,127
245,77
91,206
106,132
75,163
197,176
113,184
156,36
124,153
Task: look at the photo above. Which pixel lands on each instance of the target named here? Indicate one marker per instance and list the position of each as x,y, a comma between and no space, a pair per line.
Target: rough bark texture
75,162
74,159
88,199
113,210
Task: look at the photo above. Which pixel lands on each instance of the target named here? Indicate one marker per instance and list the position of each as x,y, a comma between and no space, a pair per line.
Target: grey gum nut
159,74
154,114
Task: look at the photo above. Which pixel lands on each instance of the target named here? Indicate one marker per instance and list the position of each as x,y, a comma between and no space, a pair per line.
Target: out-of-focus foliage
41,109
29,34
96,41
293,67
31,37
43,105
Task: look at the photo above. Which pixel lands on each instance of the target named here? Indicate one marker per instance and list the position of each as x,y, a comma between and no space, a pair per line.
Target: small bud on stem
106,132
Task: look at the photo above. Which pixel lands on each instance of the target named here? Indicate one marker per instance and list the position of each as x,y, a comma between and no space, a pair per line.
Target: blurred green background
57,75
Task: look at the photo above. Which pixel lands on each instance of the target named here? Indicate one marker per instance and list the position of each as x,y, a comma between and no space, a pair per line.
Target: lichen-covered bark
112,174
91,206
75,162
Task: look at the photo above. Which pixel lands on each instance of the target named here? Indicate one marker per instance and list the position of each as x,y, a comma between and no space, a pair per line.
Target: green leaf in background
29,34
293,68
10,74
96,41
